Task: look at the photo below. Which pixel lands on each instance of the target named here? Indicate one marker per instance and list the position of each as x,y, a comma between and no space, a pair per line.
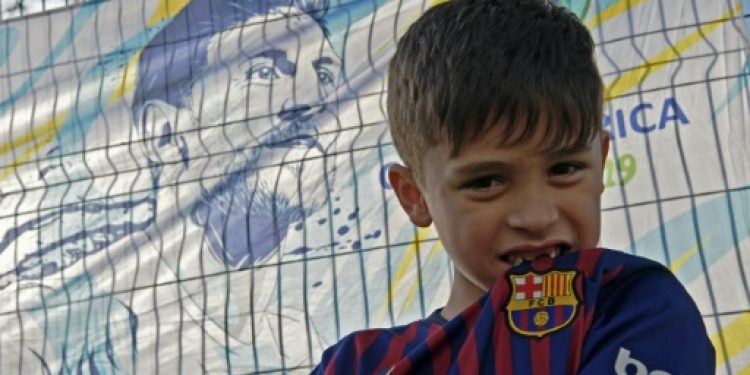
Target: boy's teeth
555,252
517,259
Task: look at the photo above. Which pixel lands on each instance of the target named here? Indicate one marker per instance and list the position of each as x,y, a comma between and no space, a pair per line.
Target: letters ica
644,118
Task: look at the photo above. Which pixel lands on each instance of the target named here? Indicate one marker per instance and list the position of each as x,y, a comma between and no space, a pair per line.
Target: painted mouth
517,256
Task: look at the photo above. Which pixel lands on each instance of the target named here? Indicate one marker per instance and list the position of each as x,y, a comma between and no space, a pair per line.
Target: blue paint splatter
354,214
166,134
317,284
300,250
322,221
336,211
298,227
343,230
357,245
376,234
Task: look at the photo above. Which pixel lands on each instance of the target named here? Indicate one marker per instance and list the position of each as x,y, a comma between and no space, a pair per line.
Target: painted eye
262,74
325,77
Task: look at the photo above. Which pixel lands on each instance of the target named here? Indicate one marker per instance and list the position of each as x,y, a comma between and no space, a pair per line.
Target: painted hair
174,57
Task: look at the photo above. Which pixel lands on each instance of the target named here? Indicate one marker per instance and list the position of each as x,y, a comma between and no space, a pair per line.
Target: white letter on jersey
624,362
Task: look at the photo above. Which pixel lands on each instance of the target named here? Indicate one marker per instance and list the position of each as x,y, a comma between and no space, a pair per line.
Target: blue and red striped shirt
590,312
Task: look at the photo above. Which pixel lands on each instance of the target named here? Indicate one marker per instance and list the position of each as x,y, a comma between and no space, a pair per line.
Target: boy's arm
647,324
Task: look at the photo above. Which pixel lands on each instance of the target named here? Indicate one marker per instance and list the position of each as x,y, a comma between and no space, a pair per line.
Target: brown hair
466,64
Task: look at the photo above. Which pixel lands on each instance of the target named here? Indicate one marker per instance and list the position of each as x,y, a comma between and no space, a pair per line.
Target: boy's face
495,205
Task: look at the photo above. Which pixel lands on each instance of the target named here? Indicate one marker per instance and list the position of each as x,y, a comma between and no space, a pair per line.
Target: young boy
495,107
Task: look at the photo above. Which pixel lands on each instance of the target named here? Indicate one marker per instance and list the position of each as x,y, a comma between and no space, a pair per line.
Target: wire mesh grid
199,186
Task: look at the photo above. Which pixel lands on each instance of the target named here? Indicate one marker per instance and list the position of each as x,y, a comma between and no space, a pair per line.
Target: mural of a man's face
252,115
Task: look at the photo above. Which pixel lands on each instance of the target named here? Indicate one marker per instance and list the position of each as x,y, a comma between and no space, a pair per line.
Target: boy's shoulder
583,312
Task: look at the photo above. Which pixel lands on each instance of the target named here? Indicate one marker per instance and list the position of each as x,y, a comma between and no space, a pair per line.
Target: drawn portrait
232,113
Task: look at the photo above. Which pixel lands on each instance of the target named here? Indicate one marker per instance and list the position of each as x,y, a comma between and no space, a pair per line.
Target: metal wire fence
199,186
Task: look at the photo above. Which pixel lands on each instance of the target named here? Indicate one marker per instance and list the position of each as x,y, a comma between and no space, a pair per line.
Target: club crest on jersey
541,303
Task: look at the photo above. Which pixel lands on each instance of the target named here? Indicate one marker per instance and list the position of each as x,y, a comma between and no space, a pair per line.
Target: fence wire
199,186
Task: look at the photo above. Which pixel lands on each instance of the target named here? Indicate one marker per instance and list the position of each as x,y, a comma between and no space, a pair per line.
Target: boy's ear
158,133
409,194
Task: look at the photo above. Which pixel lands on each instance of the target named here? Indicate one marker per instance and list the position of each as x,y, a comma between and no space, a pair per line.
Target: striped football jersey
590,312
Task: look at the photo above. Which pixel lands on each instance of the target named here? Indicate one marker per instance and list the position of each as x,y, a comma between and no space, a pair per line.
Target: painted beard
246,215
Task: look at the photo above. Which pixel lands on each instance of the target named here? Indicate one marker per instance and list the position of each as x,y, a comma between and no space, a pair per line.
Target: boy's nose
534,214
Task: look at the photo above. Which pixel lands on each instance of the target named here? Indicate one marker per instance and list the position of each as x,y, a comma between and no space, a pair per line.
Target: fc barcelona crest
541,303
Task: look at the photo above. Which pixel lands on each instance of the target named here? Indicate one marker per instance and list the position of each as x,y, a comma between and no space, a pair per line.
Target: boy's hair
466,64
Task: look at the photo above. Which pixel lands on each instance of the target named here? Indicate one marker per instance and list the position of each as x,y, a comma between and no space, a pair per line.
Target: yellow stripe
612,11
744,371
415,284
558,279
33,134
633,77
38,137
127,82
26,155
679,262
561,285
166,9
406,261
736,338
44,134
551,286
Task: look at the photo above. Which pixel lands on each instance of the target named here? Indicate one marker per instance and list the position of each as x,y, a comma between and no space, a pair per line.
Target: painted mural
197,186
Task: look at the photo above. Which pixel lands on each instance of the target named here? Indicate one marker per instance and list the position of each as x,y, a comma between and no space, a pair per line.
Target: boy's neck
463,293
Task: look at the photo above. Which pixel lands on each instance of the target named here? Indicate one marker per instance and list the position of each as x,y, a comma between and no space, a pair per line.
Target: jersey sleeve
342,350
647,324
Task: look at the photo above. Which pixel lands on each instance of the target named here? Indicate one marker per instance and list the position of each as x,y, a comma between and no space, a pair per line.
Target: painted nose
535,213
295,113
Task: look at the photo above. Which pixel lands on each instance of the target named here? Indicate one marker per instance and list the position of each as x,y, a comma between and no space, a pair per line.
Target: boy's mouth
517,256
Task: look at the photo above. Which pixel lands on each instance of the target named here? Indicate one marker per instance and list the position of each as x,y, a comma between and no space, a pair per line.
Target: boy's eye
484,183
565,169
